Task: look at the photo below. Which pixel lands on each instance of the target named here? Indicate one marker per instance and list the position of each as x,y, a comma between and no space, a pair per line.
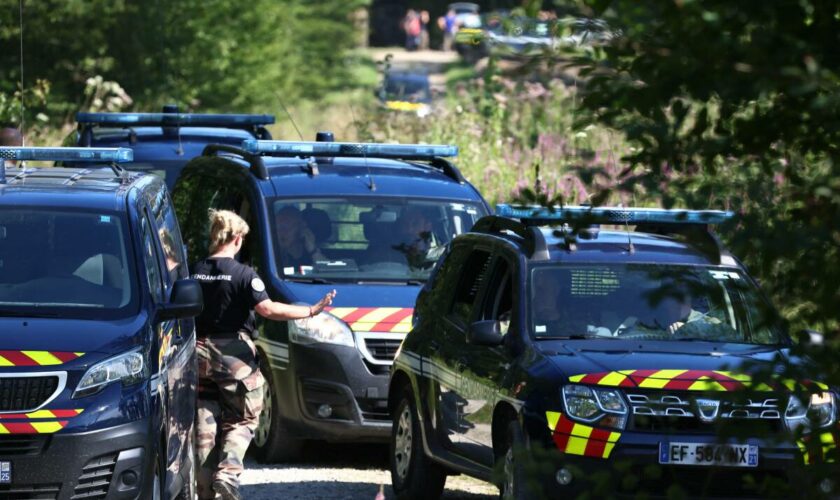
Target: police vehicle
559,356
368,220
164,142
408,91
97,352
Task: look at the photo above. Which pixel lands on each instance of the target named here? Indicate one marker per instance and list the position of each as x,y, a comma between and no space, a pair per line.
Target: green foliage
220,55
735,105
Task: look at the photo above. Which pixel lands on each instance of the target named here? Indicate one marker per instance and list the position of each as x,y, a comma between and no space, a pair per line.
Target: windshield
649,302
64,263
358,239
404,89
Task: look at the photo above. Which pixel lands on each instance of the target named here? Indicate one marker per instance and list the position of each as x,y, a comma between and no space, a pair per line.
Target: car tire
413,475
272,442
514,479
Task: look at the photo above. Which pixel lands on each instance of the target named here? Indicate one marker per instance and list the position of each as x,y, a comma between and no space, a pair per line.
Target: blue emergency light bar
174,119
114,155
614,215
349,149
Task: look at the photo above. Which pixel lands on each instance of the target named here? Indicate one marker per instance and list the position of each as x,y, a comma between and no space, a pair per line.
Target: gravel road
333,471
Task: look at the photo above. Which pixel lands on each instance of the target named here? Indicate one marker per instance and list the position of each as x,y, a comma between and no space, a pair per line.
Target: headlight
820,412
604,407
128,368
323,327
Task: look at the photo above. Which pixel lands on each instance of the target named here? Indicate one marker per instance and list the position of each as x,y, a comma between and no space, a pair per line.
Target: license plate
5,472
729,455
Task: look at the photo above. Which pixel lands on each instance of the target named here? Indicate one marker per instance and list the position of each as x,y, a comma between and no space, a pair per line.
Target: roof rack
255,162
693,225
533,240
113,156
170,118
434,154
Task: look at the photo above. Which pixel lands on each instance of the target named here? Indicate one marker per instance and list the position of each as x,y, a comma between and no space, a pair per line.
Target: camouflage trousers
230,399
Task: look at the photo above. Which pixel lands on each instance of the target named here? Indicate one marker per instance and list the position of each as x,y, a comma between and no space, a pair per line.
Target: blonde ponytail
225,226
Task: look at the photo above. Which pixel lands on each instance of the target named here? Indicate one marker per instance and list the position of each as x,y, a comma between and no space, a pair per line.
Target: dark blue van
369,220
164,142
97,341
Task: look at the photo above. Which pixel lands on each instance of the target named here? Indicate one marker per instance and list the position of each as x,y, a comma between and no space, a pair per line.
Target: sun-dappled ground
341,471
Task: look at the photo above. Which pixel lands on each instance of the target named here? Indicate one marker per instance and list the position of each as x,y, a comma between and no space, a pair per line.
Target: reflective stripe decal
36,422
375,319
37,358
824,449
579,439
685,380
41,414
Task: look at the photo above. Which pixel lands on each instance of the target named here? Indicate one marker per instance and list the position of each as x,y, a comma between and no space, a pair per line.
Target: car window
150,258
498,301
169,237
649,302
473,275
70,263
367,238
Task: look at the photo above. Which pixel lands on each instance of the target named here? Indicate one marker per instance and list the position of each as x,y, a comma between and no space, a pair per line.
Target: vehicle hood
39,342
365,307
673,365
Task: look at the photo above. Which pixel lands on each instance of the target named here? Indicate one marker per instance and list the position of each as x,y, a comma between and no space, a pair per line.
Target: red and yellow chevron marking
37,358
375,319
578,439
684,380
820,448
36,423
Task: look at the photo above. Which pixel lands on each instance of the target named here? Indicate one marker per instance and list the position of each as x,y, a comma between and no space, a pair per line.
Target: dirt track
341,472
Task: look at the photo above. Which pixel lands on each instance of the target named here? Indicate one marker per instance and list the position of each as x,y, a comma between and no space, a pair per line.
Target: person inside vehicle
415,239
296,241
230,393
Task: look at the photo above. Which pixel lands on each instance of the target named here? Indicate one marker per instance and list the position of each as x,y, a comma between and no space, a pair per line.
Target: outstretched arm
279,311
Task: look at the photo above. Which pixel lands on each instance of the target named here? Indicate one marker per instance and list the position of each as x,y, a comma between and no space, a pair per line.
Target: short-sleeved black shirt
231,290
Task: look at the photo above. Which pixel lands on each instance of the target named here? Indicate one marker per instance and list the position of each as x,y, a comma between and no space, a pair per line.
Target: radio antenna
371,184
22,94
285,110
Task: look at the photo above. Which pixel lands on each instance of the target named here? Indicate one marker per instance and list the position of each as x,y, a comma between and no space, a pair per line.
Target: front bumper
337,376
112,463
633,469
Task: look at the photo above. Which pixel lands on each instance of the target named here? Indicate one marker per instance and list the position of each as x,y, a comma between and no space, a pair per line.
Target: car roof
99,188
156,143
351,176
663,245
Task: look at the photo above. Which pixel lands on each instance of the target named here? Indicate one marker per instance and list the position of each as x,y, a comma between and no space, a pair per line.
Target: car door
483,368
177,353
450,363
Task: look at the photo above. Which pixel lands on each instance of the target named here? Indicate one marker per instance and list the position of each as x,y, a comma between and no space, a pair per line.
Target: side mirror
812,338
485,333
186,301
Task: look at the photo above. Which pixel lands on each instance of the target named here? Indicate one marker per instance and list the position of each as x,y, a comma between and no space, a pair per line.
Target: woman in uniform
230,383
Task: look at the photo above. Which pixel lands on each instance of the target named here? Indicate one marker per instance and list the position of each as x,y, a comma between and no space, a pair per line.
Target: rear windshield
65,264
366,239
650,302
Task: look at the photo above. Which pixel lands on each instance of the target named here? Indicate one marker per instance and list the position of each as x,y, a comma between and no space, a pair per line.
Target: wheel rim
509,476
403,442
264,425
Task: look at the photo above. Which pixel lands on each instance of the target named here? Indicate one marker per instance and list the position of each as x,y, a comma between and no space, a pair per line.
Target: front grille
26,393
23,492
21,444
382,349
95,478
660,411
